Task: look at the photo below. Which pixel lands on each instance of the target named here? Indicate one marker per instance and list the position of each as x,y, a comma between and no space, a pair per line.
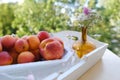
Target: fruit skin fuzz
5,58
52,48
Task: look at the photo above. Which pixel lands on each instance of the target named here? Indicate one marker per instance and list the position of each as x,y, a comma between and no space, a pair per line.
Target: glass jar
83,46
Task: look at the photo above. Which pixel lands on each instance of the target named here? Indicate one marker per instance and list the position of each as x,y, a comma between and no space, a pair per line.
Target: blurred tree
6,18
109,30
32,16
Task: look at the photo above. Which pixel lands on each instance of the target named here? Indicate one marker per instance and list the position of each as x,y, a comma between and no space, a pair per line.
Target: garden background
32,16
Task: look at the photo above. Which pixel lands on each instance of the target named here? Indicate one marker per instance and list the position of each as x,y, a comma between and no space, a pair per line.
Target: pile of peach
31,48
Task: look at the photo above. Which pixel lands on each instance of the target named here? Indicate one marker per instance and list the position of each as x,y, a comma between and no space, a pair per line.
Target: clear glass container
83,46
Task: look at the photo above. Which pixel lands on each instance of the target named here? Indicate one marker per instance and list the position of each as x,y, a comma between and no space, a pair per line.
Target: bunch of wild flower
86,19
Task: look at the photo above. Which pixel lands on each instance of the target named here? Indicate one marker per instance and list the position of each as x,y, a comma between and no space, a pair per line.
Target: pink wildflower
86,11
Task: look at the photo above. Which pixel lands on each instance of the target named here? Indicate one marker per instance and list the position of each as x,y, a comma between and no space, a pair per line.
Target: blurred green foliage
35,15
31,17
109,29
6,18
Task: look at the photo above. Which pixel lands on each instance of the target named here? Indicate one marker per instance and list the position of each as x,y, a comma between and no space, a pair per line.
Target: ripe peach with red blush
5,58
8,42
36,54
1,48
51,49
43,35
59,39
24,37
14,55
21,45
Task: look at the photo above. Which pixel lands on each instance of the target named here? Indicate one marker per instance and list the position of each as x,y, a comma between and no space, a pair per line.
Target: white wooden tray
69,68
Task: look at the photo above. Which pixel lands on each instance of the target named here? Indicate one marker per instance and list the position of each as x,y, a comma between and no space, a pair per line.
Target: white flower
86,18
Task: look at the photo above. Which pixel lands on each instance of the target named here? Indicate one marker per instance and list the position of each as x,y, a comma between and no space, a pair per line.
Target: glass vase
83,46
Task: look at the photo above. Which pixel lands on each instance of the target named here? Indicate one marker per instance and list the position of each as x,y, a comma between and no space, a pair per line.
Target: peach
15,36
33,42
5,58
43,35
37,54
51,49
43,43
14,55
25,37
1,46
8,42
21,45
60,40
25,57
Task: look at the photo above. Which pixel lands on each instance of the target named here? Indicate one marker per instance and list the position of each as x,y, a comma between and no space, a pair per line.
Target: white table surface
108,68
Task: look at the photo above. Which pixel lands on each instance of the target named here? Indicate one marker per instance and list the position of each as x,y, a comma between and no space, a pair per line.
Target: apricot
26,57
5,58
43,35
21,45
51,49
33,42
8,42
